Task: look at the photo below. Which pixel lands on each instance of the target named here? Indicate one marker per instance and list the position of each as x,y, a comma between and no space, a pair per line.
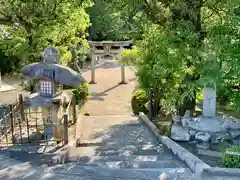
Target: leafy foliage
184,46
114,20
231,161
139,101
27,27
81,93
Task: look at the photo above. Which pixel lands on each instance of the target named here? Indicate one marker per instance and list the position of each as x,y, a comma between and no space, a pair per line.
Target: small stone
163,176
221,136
235,134
192,133
203,136
178,133
232,124
203,145
177,119
192,142
186,118
210,153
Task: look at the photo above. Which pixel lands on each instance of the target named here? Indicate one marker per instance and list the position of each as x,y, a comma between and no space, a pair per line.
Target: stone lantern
50,73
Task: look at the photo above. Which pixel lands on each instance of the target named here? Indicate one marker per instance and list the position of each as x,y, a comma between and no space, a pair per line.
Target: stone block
209,153
203,136
178,133
203,145
235,134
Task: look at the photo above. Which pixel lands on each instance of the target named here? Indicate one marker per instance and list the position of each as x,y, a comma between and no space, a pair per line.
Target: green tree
114,20
173,57
27,27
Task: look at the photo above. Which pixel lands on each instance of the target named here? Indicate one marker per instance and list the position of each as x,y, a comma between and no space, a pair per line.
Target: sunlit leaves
41,23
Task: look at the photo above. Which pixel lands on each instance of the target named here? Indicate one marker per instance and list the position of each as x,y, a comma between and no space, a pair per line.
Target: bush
129,56
81,93
139,101
231,161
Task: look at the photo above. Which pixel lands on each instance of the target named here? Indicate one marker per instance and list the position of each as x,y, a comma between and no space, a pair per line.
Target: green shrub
139,101
231,161
81,93
129,56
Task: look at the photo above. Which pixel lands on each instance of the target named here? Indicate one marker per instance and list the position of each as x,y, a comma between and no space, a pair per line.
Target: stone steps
78,172
114,148
6,161
22,156
135,164
120,150
153,158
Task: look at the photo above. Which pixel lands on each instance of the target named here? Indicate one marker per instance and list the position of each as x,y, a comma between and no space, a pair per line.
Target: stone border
194,163
233,172
199,167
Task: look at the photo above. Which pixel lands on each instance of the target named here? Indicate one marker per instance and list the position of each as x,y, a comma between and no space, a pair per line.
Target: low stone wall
201,169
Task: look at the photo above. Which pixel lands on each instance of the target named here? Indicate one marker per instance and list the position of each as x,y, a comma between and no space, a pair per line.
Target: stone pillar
93,63
209,101
123,79
57,126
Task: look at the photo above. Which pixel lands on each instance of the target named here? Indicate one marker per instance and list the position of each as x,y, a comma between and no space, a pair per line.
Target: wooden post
5,128
21,107
150,104
74,113
93,62
0,80
12,122
20,129
28,126
65,128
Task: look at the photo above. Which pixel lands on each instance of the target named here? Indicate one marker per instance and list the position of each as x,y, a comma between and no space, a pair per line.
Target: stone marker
209,101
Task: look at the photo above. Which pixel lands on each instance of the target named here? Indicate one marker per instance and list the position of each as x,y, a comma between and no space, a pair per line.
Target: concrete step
21,156
136,164
6,161
140,174
153,158
117,151
77,172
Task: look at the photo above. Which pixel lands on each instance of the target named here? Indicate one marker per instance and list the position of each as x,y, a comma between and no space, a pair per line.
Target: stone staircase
112,147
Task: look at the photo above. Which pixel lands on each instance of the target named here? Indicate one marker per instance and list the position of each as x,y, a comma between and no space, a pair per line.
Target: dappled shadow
121,143
100,95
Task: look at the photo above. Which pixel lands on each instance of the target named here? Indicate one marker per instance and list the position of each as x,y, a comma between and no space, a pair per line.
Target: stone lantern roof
50,73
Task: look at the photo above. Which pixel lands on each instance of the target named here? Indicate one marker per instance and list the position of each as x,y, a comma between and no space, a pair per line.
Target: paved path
107,96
